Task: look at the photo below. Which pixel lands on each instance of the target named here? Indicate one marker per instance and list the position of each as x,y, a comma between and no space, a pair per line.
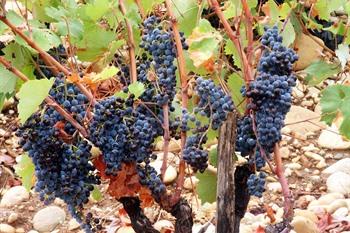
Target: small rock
274,187
314,156
321,164
304,225
294,166
191,182
20,230
55,231
125,230
73,224
331,139
338,156
304,201
306,214
308,50
285,152
170,175
340,166
32,231
342,212
329,198
12,218
14,196
164,226
48,218
310,147
339,182
5,228
307,103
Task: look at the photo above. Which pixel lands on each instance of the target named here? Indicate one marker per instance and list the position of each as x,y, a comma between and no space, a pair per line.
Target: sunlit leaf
207,186
319,71
96,194
25,169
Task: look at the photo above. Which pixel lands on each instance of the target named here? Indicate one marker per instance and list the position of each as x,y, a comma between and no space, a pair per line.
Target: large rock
331,139
14,196
340,166
304,225
170,173
48,218
308,50
339,182
301,120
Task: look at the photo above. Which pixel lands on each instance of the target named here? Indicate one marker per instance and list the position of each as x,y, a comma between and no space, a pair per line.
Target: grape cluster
270,93
149,177
256,184
194,154
213,102
62,166
245,140
158,42
42,70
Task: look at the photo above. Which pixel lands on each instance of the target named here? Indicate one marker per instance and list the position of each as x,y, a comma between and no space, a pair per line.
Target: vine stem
166,138
51,102
131,43
48,59
249,31
141,10
288,198
184,94
247,69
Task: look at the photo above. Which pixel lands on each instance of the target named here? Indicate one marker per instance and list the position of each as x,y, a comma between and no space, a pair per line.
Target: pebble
330,138
14,196
314,156
311,148
304,225
12,218
163,226
306,214
327,199
32,231
339,182
5,228
321,164
307,103
170,174
48,218
336,205
274,187
342,212
285,152
20,230
191,182
125,229
338,156
294,166
340,166
73,224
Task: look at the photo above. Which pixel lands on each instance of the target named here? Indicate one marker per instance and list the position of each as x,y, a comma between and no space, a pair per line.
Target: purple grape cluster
256,184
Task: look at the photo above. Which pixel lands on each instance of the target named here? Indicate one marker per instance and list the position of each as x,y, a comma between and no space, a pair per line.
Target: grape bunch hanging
124,129
270,96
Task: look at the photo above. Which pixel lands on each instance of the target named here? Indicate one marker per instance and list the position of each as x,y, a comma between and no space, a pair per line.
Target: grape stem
54,65
131,43
247,69
184,94
50,102
288,198
249,31
166,138
141,10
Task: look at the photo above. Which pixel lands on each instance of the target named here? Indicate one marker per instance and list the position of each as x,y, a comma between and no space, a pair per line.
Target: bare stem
141,10
166,137
51,102
131,43
184,94
288,198
249,31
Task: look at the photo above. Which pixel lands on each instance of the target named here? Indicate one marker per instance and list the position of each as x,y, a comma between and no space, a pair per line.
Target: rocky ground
317,164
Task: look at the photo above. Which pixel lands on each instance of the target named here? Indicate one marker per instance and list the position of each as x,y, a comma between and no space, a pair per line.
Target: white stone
328,198
331,139
20,230
285,152
339,182
321,164
306,214
12,218
274,187
341,212
14,196
294,166
5,228
170,175
125,229
340,166
191,182
304,225
73,224
314,156
301,120
163,226
32,231
336,205
48,218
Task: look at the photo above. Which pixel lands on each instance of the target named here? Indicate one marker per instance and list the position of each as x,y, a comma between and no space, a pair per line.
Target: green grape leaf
343,54
7,81
25,169
207,186
136,88
45,38
230,49
230,11
97,9
235,83
213,156
39,9
147,5
325,7
107,73
96,194
56,13
76,28
336,99
121,94
288,34
186,12
29,103
318,71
